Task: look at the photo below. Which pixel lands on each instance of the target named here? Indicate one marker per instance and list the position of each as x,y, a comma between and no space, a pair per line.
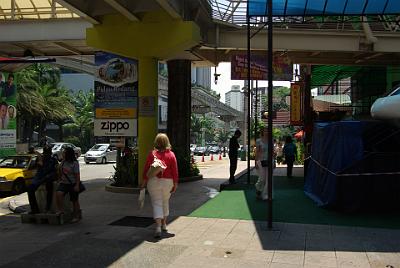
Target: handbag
264,163
156,167
142,196
82,187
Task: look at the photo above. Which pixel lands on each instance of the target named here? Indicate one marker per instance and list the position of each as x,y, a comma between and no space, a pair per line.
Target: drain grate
134,221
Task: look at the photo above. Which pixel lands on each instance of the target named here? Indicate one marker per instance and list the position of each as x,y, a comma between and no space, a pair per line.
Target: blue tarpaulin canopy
324,7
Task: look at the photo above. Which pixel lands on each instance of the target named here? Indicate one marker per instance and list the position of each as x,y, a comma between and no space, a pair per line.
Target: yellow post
147,125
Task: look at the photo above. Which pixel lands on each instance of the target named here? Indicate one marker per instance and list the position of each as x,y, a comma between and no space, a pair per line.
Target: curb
16,208
136,190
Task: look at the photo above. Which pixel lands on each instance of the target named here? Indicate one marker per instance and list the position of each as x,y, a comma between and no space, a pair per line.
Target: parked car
201,150
192,147
214,149
16,172
58,147
101,153
387,108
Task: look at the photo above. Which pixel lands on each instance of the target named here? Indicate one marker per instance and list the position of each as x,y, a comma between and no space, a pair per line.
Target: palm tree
40,99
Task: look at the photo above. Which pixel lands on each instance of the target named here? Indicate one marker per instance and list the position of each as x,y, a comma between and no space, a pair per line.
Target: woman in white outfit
262,164
163,184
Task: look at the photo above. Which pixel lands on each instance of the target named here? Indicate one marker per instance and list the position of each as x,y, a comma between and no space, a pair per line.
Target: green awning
325,75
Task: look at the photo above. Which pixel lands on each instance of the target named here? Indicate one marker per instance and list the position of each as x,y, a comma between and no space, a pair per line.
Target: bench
51,217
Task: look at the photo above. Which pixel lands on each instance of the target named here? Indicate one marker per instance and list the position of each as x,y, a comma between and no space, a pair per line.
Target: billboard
8,114
115,127
116,95
282,66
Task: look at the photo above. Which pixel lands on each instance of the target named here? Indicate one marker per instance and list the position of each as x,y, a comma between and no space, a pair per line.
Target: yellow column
147,125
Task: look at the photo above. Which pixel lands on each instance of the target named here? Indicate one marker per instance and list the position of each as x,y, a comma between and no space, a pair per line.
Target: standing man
233,155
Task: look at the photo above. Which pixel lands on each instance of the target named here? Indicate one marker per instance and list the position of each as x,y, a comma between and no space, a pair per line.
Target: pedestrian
279,153
69,183
46,174
262,164
289,151
233,155
163,184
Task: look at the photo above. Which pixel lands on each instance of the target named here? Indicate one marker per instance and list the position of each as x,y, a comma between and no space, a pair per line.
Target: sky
225,83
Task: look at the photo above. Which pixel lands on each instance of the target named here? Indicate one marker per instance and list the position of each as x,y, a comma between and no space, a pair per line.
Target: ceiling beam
77,11
123,10
36,51
68,48
169,9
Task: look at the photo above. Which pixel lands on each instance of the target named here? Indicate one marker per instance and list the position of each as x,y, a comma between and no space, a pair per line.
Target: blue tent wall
335,146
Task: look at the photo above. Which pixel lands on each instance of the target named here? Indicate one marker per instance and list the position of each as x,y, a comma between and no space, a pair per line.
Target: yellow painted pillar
147,125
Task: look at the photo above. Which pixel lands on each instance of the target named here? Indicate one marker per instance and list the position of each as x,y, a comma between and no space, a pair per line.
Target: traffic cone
220,157
212,157
202,158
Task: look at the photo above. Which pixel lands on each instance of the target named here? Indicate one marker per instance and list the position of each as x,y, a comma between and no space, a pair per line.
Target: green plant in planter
185,166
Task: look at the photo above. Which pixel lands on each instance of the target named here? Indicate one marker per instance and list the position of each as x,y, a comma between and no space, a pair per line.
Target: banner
295,105
8,115
282,66
116,91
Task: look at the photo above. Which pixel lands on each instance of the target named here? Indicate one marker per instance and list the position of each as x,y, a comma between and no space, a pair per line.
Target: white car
57,149
387,108
101,153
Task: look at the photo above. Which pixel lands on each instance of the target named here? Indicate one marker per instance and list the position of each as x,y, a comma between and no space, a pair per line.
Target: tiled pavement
191,242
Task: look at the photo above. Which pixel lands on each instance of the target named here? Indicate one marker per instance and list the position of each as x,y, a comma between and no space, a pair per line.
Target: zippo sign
115,127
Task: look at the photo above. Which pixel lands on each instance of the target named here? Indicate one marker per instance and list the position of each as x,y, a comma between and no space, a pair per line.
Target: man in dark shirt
233,155
46,174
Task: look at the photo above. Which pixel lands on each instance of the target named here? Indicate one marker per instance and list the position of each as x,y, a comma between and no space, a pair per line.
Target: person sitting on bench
46,174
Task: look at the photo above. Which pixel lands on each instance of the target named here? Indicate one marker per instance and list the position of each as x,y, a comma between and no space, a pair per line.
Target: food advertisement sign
116,91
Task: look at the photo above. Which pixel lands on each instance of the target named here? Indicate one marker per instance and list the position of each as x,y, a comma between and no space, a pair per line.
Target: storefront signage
295,105
282,66
115,127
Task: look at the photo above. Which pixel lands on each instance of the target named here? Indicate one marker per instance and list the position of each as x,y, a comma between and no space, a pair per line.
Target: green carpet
290,204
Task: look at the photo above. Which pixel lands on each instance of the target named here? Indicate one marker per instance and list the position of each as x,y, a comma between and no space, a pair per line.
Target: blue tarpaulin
335,146
324,7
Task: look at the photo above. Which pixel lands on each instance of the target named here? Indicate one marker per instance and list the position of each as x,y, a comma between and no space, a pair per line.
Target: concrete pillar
179,106
147,125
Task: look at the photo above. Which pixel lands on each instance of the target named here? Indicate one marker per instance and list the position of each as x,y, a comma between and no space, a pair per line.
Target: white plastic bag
141,198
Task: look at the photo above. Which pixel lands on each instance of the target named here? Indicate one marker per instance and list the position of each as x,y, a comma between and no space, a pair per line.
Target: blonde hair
161,142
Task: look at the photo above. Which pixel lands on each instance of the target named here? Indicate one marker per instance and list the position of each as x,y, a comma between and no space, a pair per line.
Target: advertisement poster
115,127
116,92
8,114
283,68
295,105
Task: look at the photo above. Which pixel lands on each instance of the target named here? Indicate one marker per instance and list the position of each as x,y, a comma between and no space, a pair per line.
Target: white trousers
160,192
261,184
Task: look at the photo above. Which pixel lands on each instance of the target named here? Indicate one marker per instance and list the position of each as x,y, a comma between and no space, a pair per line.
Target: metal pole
256,113
248,96
270,85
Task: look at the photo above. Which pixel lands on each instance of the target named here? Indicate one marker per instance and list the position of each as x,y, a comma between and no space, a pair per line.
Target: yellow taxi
16,172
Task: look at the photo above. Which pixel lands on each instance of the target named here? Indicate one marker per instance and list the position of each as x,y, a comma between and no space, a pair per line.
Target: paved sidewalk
191,242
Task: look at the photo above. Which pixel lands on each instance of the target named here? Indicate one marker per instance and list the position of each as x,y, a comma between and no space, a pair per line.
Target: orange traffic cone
220,157
212,157
202,158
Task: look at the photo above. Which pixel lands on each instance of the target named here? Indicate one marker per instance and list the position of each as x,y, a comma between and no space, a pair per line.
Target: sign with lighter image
295,104
115,127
